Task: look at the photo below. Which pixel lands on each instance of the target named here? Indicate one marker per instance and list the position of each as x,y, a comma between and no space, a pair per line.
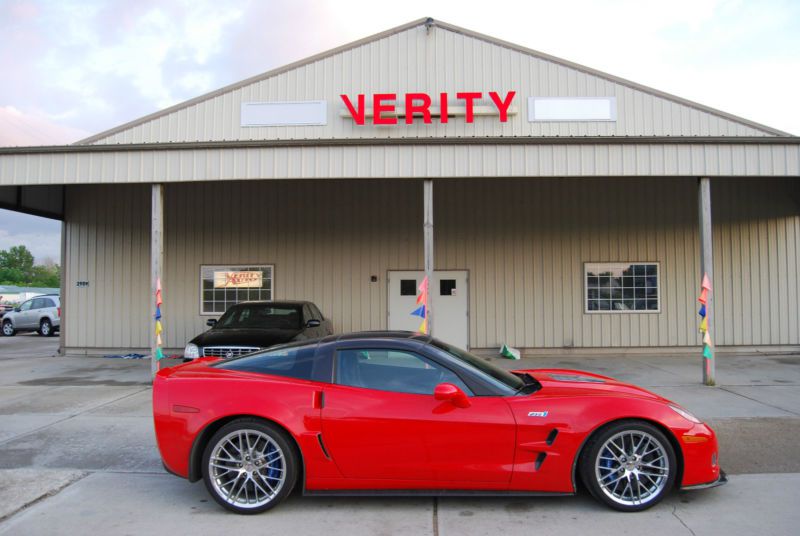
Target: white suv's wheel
8,328
45,328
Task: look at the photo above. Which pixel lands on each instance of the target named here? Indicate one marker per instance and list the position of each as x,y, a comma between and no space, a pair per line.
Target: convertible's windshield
260,316
503,376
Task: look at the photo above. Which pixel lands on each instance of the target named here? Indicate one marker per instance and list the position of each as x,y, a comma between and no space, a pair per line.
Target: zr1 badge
537,414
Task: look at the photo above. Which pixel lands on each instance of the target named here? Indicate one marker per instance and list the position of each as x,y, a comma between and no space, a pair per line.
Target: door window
26,306
392,370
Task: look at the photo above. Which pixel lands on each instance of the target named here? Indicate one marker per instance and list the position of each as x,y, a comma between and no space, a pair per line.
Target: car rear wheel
629,466
8,329
45,328
249,466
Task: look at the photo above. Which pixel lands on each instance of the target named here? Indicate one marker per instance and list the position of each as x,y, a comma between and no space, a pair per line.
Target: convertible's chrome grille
227,352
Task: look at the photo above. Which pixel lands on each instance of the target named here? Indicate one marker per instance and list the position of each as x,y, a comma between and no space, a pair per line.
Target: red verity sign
384,110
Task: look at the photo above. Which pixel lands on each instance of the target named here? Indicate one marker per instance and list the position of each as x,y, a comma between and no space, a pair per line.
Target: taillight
59,312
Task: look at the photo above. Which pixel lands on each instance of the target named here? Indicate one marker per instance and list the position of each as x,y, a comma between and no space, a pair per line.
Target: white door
448,301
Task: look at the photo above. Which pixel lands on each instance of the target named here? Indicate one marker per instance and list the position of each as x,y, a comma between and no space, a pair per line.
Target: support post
707,267
62,330
428,246
156,264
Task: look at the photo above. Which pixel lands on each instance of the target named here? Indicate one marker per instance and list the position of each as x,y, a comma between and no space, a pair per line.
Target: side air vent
539,461
551,436
322,446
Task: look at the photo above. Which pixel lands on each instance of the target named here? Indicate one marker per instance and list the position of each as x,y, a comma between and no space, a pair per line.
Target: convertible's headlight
685,414
191,351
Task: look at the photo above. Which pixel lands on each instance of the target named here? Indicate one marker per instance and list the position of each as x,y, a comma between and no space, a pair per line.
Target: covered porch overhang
43,172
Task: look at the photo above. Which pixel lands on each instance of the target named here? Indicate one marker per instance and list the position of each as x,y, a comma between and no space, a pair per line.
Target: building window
223,286
622,287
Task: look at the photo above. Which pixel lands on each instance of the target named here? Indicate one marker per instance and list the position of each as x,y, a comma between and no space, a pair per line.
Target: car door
23,319
380,421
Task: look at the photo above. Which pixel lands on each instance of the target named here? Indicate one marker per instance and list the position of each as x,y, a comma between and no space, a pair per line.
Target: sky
72,68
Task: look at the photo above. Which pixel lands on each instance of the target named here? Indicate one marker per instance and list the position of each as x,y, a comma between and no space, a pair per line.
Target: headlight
685,414
191,351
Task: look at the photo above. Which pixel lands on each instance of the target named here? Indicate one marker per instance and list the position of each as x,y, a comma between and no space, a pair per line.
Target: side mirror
211,322
16,309
313,323
447,392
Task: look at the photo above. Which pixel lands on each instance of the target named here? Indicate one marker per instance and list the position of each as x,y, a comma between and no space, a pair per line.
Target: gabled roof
132,131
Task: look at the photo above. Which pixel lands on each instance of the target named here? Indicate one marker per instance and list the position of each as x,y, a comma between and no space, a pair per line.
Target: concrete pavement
77,451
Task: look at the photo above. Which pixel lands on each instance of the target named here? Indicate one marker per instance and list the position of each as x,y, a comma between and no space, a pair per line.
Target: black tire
644,480
255,477
46,328
8,329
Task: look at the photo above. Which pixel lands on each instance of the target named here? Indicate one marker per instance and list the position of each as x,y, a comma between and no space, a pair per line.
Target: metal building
568,204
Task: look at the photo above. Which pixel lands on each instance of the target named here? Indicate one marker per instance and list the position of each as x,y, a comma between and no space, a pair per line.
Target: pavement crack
70,416
759,401
44,496
435,516
675,514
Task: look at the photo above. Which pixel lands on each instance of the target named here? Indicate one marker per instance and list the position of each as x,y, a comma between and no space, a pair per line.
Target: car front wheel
8,328
45,328
629,466
249,466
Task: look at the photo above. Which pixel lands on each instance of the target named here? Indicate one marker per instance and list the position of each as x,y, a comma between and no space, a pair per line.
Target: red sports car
400,413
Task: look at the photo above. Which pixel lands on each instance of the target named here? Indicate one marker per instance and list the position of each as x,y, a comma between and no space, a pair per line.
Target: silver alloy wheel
45,328
632,468
8,329
247,468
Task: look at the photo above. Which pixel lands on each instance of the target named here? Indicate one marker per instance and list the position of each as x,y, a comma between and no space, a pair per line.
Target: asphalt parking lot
77,451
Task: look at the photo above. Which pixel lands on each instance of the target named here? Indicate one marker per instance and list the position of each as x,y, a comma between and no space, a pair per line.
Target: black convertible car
252,326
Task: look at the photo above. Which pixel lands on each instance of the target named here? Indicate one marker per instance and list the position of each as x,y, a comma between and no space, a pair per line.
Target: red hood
578,382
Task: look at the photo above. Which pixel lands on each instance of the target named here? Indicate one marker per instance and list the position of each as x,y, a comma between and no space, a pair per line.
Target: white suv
42,314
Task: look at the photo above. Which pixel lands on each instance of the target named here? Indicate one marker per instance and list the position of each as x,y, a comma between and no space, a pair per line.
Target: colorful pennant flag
422,301
159,354
708,352
703,296
419,311
706,282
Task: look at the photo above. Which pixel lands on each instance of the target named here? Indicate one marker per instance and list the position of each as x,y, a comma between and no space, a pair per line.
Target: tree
17,268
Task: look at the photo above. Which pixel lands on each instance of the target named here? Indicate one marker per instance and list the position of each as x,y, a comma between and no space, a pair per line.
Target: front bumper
721,479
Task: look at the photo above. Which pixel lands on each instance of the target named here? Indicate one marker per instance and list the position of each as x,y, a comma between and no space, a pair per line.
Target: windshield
260,316
503,376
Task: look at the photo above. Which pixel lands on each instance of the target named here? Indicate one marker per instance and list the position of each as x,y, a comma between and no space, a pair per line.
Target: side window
37,303
294,362
26,306
307,314
317,313
392,370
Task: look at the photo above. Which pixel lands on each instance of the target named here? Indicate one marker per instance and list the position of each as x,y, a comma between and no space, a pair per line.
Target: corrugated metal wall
524,242
417,161
107,245
441,60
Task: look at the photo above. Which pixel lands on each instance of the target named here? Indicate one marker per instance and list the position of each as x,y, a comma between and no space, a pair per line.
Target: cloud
34,128
42,236
94,64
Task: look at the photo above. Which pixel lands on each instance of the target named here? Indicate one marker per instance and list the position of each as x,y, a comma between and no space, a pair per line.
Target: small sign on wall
278,114
238,279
